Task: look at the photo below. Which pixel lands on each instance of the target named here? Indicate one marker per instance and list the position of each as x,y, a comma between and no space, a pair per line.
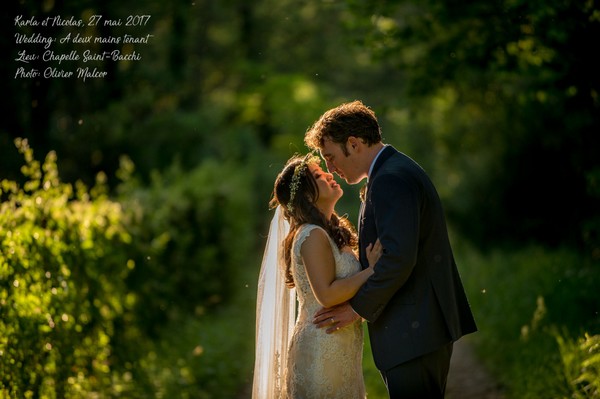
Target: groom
414,303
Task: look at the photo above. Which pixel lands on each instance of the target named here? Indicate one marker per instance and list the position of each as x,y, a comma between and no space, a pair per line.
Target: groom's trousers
423,377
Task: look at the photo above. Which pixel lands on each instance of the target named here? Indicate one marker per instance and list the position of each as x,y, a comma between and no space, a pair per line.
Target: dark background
497,100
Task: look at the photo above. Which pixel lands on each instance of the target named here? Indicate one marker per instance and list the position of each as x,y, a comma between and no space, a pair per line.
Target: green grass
525,301
209,355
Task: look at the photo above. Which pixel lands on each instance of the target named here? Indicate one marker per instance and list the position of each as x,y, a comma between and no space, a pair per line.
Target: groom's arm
396,208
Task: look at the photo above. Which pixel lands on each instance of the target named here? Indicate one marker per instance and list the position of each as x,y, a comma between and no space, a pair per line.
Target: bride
311,252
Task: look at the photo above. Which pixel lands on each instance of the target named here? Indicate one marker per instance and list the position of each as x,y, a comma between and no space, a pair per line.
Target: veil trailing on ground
275,315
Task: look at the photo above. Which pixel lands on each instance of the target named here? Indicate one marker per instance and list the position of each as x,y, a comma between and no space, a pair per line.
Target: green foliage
193,233
205,356
105,298
501,102
62,268
520,299
581,360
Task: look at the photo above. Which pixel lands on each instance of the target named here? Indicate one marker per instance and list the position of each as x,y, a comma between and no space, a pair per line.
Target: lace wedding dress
321,365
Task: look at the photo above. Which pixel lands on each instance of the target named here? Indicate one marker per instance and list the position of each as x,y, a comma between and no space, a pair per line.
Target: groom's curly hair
304,211
339,123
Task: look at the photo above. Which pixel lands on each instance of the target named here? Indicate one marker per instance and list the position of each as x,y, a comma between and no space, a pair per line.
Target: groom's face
339,162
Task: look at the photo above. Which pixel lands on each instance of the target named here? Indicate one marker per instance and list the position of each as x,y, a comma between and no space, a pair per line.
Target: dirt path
467,378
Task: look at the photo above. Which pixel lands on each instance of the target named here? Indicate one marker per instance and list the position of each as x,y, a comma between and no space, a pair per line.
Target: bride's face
329,190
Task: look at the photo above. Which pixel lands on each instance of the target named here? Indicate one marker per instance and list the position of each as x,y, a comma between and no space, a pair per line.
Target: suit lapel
387,152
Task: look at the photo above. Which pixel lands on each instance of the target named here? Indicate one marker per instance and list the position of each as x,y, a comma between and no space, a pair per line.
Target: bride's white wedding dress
321,365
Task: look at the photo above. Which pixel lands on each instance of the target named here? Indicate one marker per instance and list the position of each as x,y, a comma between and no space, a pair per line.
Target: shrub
581,360
63,267
192,232
520,299
94,289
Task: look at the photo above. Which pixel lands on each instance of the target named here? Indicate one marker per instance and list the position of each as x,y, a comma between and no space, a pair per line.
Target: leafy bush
62,269
581,359
102,298
208,356
193,231
520,299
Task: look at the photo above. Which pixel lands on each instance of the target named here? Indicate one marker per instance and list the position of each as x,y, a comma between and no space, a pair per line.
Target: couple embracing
397,273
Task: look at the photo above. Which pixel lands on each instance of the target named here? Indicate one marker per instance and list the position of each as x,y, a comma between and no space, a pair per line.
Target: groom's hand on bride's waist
336,317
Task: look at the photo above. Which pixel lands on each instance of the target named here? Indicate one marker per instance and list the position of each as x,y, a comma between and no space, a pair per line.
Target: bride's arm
319,262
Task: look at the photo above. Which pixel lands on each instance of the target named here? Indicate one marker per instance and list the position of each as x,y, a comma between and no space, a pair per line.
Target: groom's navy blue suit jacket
415,301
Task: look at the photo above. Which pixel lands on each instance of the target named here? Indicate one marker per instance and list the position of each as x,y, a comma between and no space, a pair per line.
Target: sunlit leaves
528,52
581,360
62,267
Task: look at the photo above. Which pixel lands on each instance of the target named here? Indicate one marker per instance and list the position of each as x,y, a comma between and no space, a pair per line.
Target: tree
508,94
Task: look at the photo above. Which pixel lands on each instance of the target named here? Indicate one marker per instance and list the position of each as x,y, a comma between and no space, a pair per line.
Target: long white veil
275,315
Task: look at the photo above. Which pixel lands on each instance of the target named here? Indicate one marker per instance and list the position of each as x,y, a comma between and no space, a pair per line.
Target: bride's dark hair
302,210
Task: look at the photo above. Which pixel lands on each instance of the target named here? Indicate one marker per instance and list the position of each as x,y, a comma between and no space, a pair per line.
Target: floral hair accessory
299,171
